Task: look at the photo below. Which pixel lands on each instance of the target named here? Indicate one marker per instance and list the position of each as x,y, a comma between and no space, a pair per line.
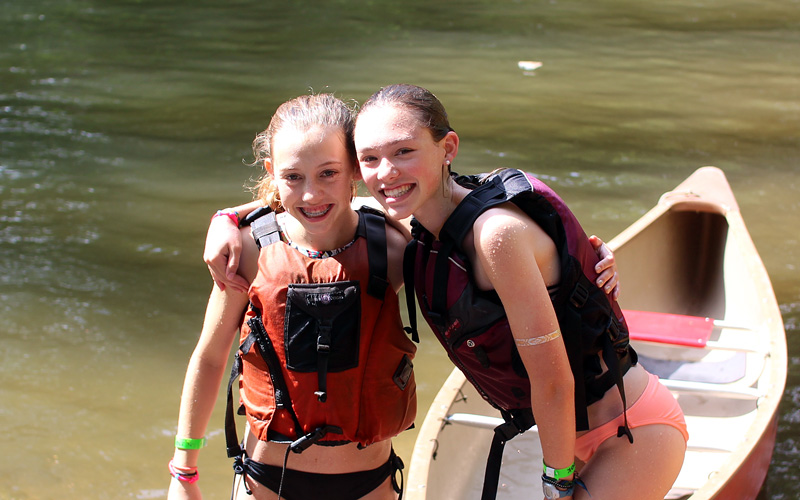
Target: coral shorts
656,405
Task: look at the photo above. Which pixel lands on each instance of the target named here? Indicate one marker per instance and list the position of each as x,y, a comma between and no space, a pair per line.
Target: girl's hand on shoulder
222,252
607,277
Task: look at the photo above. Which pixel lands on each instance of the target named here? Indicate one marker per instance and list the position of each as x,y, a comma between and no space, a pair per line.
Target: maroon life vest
472,325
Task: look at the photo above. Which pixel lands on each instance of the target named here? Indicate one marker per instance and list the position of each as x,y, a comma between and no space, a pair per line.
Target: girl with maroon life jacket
325,364
524,256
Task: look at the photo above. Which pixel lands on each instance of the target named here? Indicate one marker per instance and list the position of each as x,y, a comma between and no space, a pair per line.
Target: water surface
124,125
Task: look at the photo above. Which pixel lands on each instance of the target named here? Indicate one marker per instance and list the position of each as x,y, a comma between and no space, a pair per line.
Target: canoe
703,317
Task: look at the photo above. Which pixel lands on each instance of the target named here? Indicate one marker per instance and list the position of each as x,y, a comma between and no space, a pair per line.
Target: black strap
231,437
516,422
612,361
324,330
460,222
372,226
397,465
409,265
282,398
455,229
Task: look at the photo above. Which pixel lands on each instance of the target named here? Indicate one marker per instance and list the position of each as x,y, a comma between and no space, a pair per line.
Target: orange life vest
323,346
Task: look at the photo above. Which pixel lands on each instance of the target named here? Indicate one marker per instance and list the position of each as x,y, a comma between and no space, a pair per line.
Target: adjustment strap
323,357
441,272
455,229
264,226
515,424
312,437
282,398
409,266
231,437
613,363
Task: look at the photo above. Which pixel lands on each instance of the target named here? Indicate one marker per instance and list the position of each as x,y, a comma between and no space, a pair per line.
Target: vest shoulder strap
264,226
372,226
471,207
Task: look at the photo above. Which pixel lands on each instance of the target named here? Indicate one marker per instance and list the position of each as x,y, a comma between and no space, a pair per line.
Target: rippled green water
123,126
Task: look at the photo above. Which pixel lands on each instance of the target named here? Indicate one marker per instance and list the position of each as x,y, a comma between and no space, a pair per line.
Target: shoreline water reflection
123,126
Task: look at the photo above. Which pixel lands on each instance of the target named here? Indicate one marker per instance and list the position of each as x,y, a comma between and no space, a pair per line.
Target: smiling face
314,174
400,162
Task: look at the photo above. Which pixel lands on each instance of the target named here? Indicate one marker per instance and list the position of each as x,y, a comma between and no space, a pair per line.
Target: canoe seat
690,331
680,330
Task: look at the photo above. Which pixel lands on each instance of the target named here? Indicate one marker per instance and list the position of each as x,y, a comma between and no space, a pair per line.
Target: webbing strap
282,398
459,223
231,437
373,228
323,356
515,424
409,265
613,363
264,226
455,229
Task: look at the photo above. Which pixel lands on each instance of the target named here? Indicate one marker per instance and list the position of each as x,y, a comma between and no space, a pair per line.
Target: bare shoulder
506,238
502,226
248,265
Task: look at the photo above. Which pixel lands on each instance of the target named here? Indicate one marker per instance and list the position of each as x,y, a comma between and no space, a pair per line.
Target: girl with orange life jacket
325,364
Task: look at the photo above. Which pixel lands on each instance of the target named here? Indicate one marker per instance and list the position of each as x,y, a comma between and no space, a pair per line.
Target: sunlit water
123,126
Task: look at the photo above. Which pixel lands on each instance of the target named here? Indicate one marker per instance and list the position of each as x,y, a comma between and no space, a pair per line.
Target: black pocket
322,319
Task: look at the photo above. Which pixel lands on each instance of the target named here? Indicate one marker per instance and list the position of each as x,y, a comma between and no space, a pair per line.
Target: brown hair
426,106
301,113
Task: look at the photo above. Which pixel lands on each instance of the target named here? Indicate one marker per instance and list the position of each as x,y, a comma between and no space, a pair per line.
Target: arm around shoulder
395,247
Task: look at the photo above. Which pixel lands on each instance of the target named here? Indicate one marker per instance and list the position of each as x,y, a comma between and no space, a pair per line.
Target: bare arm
396,245
224,247
207,365
203,378
503,242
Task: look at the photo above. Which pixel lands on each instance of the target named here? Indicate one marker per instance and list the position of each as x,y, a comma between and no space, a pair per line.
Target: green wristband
558,473
190,444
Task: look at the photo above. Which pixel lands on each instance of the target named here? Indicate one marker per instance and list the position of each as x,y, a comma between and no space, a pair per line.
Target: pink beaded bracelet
187,474
232,215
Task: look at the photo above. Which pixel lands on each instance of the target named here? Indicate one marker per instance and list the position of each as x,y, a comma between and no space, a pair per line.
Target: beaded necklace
313,254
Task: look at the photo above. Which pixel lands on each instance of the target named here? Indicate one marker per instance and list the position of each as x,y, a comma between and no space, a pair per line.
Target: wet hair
301,113
427,108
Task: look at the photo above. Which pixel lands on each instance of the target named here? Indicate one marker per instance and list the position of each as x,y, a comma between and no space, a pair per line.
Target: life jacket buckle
579,296
304,442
